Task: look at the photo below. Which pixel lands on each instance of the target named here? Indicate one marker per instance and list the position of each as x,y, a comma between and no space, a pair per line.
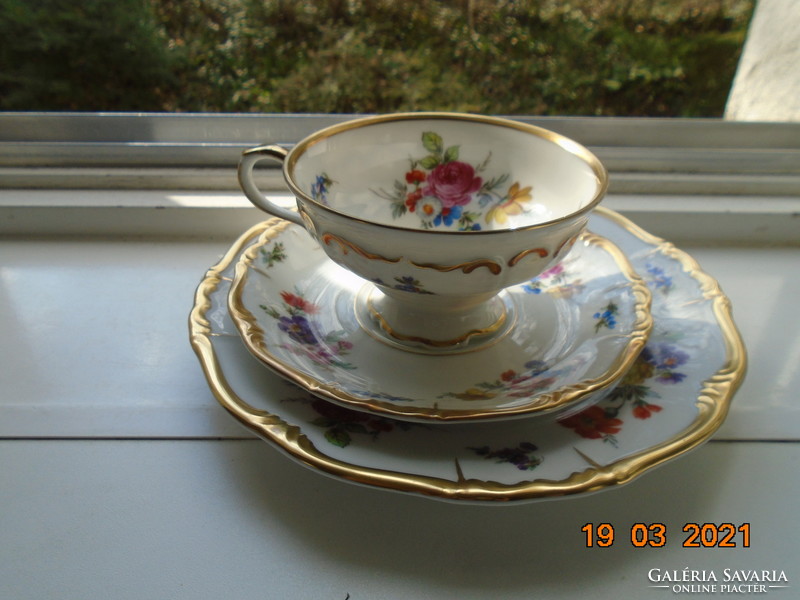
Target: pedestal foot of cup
434,325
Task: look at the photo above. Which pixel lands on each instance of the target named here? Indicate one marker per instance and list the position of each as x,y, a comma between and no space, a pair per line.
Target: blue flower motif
453,215
659,279
537,367
607,317
530,288
319,189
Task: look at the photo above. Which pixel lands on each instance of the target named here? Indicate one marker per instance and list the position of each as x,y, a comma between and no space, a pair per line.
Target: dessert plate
573,332
674,398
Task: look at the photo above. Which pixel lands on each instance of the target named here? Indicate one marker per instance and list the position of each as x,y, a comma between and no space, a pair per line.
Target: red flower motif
508,375
415,177
452,183
412,199
299,303
644,410
592,423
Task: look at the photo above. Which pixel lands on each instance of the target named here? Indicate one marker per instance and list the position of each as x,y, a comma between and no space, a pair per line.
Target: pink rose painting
453,183
446,192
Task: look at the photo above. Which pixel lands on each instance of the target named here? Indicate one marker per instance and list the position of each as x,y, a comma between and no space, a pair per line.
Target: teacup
440,213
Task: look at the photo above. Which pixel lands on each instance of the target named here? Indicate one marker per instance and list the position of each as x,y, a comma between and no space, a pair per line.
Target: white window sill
98,285
694,219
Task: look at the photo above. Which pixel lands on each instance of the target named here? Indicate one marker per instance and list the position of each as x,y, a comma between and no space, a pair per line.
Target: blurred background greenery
543,57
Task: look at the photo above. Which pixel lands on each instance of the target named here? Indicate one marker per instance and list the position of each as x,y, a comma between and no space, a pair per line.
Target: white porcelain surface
407,171
674,398
571,333
463,205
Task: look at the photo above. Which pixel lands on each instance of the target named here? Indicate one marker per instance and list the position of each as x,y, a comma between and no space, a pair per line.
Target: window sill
696,219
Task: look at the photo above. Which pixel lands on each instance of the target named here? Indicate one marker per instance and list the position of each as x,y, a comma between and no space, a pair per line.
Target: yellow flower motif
511,206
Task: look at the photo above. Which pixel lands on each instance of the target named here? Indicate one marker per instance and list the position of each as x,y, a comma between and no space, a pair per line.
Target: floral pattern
272,257
594,423
663,368
340,423
294,320
657,364
515,385
446,192
522,456
635,396
405,283
658,279
606,318
556,281
321,187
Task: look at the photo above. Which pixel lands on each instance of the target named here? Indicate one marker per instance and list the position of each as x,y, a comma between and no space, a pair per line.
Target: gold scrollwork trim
347,245
541,252
569,242
713,404
467,267
416,339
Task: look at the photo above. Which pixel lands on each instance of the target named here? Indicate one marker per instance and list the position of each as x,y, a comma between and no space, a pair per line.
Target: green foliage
579,57
81,55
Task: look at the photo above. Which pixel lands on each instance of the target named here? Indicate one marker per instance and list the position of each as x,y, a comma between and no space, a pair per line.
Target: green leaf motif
429,162
270,310
334,336
276,255
433,142
398,209
338,437
451,154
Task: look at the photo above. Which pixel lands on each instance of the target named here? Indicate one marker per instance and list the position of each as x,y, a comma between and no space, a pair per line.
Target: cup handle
249,159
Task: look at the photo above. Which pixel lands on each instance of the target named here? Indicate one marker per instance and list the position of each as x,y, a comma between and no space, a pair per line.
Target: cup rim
568,144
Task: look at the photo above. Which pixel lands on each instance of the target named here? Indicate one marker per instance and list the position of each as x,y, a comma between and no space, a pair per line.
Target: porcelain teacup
439,212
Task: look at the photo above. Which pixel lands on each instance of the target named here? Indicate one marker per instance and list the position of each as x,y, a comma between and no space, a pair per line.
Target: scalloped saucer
576,330
674,398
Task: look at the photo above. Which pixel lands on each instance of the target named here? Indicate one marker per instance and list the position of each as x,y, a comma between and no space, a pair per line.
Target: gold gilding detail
567,144
347,245
253,337
467,267
541,252
415,339
568,242
713,404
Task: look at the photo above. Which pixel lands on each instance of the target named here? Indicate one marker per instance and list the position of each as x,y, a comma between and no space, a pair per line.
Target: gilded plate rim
558,399
713,403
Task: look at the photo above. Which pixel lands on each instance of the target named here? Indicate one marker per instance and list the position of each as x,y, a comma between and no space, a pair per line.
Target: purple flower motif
298,329
669,357
670,377
664,359
522,457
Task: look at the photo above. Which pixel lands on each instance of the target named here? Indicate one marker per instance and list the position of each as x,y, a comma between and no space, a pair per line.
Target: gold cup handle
249,159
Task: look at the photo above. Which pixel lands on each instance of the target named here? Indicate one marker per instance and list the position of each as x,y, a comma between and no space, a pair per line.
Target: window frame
57,169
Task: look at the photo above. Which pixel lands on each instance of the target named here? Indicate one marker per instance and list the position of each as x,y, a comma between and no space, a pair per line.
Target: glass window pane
666,58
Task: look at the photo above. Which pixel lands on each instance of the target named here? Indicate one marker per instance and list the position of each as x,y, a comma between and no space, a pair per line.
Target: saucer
674,398
573,332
